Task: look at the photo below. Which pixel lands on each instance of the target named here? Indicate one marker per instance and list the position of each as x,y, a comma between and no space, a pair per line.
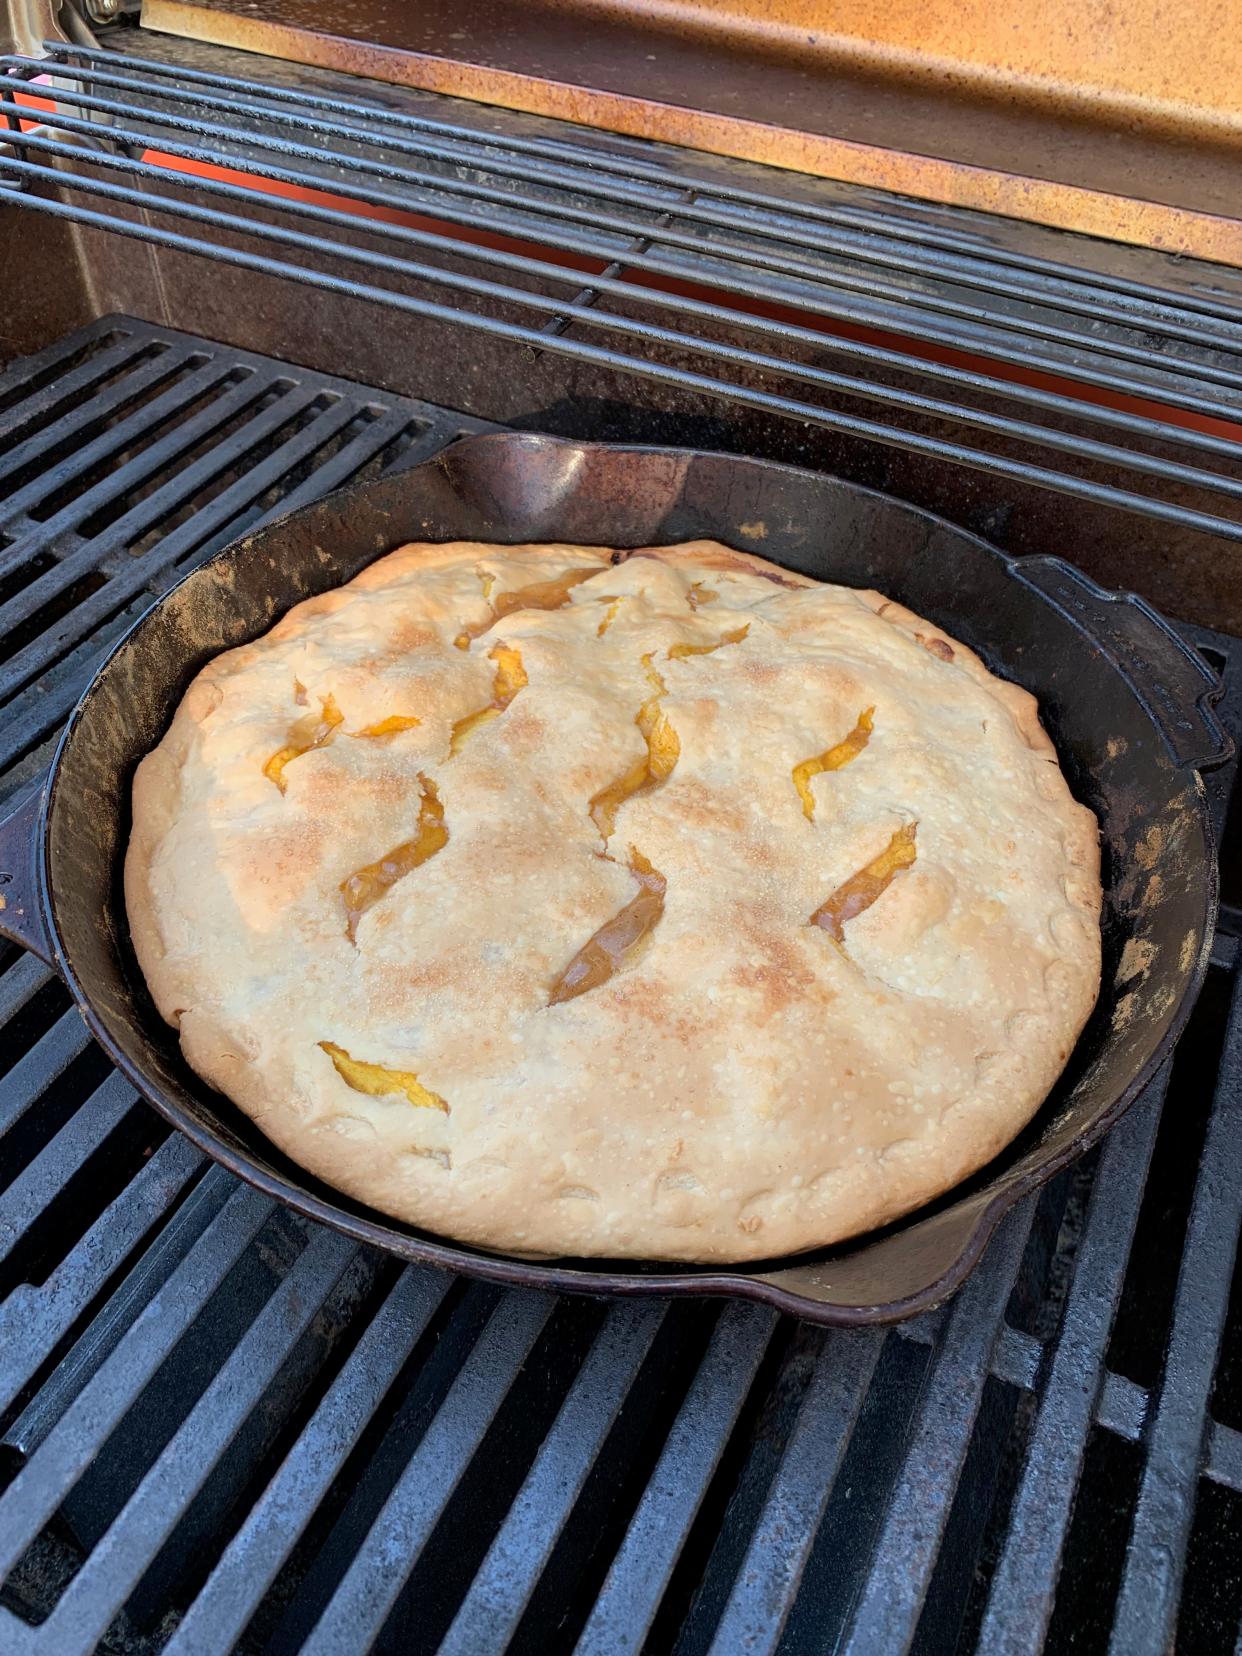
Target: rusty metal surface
1013,237
26,24
1129,129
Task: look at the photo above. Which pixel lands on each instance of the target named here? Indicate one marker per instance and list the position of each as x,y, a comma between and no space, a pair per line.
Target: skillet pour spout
1127,702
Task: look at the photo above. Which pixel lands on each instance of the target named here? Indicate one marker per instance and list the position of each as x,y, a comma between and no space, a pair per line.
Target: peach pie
660,904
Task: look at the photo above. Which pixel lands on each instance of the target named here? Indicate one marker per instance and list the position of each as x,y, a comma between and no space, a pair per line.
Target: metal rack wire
606,259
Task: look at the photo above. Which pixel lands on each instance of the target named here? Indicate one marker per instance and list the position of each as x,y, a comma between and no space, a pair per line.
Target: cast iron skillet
1127,703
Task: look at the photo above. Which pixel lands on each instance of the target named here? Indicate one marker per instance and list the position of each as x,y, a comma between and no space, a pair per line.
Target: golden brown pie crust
700,912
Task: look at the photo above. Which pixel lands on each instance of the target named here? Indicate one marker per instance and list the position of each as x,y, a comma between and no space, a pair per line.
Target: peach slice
314,731
378,1082
618,941
862,889
364,888
836,758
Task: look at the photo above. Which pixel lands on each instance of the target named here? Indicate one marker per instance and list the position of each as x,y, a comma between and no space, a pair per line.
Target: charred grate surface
222,1428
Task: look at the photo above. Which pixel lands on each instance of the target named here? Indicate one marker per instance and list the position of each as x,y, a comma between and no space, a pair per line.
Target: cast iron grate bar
261,1547
24,1085
909,1542
492,1609
225,1429
1018,1604
1223,1461
370,1587
39,386
48,514
81,1137
131,1297
254,1365
144,368
49,1475
36,1317
20,981
152,479
713,238
629,1599
771,1573
1147,1607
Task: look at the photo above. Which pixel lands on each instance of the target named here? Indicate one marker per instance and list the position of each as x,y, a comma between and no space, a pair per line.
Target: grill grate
632,265
224,1428
151,454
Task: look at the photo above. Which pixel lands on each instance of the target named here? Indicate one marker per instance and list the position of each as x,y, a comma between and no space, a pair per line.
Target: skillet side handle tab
21,916
1175,684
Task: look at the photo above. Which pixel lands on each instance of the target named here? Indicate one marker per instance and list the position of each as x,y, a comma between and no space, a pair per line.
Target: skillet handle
21,914
1167,674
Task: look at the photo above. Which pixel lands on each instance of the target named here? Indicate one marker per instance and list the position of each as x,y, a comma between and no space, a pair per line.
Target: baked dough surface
750,1080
